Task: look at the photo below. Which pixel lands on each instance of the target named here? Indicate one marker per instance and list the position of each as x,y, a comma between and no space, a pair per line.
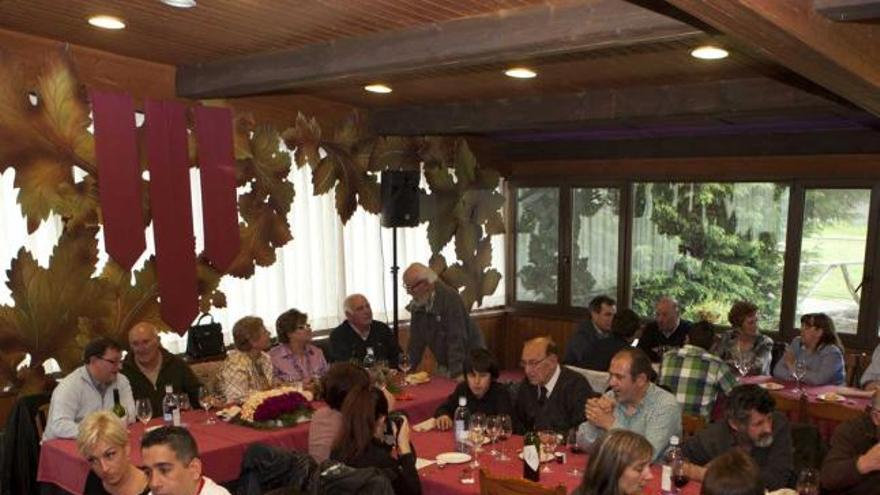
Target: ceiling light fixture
106,22
378,88
709,52
180,4
520,73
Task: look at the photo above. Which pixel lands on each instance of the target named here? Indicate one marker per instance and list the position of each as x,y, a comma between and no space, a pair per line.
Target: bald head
539,358
143,338
667,314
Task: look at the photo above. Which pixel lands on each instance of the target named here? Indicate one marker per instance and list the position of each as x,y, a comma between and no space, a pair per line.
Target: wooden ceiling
602,63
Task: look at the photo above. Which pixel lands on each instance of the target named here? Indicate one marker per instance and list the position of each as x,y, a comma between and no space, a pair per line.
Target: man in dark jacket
751,424
852,465
360,331
597,328
551,396
666,332
149,367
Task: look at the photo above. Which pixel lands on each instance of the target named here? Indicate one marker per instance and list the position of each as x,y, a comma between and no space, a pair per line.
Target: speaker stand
394,270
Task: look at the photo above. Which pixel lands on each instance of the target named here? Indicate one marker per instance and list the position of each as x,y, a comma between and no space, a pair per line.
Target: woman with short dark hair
295,358
620,464
360,441
745,340
481,390
819,347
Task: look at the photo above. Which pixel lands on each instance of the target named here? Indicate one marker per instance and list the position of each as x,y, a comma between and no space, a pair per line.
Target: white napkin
426,425
423,463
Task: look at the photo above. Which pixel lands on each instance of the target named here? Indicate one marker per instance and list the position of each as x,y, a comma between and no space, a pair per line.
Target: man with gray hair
439,321
666,332
852,465
359,332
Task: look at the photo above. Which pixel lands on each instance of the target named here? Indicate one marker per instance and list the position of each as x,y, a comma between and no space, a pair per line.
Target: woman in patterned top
295,359
247,369
745,340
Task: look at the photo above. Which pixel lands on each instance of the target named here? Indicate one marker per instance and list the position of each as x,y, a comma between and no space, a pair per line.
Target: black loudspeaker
400,198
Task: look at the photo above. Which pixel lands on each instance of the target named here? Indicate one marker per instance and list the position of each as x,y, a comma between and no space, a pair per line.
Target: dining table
222,445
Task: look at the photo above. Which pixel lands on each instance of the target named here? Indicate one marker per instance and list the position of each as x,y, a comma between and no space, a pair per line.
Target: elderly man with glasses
89,388
439,321
551,396
852,465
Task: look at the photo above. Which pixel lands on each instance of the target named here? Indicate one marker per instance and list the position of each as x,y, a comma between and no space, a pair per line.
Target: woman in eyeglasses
295,358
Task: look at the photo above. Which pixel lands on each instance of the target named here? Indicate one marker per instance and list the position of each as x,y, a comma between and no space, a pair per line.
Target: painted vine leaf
473,277
397,153
43,140
209,287
268,169
347,167
49,302
305,138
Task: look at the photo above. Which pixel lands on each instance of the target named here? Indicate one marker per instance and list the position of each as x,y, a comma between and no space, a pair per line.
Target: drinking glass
493,429
206,400
404,365
144,410
183,400
505,430
800,371
808,482
573,448
548,448
476,435
743,361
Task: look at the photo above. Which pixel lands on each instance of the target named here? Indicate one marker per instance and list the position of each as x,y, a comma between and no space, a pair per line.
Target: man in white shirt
171,460
89,388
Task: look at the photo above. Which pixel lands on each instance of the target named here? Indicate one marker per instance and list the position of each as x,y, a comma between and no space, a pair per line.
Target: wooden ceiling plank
844,58
848,10
741,97
516,34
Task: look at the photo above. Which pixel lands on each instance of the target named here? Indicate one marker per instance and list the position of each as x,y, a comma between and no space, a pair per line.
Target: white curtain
325,261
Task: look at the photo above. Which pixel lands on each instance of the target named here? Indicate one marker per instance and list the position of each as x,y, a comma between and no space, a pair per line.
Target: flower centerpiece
283,406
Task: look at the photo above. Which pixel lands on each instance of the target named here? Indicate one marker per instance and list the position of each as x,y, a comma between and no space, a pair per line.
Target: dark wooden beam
848,10
738,98
844,58
509,35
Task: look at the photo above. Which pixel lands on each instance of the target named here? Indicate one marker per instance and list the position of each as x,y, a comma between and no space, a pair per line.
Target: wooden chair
691,424
491,485
40,419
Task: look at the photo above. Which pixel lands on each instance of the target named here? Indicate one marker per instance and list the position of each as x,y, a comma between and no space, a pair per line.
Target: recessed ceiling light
378,88
520,73
709,52
180,4
106,22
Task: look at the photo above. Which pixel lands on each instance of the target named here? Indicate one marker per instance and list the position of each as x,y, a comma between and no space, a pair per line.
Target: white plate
831,397
453,457
772,386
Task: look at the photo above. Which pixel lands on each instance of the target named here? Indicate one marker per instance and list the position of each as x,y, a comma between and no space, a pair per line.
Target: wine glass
476,435
800,371
573,448
144,409
206,400
404,365
808,482
505,430
548,448
493,429
743,361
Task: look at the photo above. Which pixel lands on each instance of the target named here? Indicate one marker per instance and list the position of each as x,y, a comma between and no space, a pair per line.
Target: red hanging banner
172,212
119,185
217,171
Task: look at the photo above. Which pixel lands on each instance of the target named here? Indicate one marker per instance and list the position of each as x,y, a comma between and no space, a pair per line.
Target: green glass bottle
118,408
531,456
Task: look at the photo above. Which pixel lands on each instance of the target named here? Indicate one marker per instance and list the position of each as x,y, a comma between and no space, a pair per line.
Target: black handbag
205,340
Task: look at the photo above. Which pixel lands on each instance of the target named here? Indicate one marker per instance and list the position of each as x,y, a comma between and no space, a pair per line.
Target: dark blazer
563,409
174,372
347,344
495,401
776,461
401,471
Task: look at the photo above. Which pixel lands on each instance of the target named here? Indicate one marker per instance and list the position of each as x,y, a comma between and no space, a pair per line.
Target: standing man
551,396
598,327
439,321
149,367
667,330
171,460
87,389
852,465
359,331
634,403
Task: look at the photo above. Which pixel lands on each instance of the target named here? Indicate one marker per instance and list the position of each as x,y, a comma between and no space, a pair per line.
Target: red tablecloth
222,445
446,480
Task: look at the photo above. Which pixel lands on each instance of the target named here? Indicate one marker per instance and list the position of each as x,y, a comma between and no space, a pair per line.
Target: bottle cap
168,389
673,440
462,401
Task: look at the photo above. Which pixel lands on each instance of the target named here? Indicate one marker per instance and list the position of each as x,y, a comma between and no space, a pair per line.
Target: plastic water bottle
460,420
673,477
170,407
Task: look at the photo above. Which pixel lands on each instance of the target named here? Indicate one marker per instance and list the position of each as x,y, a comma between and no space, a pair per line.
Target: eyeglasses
411,287
532,364
116,362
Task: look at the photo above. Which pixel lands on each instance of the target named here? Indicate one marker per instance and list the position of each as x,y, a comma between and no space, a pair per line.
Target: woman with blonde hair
620,464
103,442
248,368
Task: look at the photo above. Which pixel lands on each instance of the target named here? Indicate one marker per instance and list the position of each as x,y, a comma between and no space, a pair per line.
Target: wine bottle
531,456
118,408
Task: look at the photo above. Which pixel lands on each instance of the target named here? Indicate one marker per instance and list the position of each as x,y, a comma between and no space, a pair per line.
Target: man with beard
634,403
852,465
753,425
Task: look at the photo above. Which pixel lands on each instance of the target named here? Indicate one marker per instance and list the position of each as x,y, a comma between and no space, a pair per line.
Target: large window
595,246
708,245
833,255
537,244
